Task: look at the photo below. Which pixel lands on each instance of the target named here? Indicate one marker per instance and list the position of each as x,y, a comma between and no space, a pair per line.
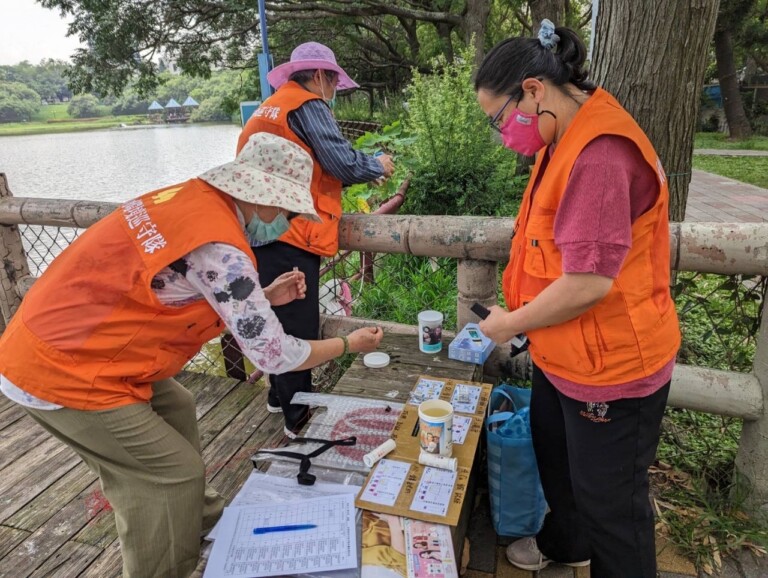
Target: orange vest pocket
578,347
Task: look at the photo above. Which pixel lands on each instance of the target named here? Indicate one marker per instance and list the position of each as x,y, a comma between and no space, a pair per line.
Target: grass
51,112
717,140
753,170
44,127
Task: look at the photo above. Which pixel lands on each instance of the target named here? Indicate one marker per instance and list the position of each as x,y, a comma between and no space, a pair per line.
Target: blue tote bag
517,500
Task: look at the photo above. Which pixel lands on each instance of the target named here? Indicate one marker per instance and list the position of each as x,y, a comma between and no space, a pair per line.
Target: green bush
211,109
459,168
84,106
17,102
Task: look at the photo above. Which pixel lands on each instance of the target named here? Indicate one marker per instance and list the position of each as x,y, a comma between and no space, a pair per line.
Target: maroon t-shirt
610,186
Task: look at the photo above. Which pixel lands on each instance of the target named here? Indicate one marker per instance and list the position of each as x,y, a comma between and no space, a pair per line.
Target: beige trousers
148,459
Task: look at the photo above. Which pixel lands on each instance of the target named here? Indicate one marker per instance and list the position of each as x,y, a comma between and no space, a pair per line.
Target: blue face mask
263,232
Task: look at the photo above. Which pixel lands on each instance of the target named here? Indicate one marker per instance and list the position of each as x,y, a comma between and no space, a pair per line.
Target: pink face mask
520,133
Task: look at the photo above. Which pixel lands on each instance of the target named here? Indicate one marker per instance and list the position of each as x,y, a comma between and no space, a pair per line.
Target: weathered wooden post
15,267
477,282
752,457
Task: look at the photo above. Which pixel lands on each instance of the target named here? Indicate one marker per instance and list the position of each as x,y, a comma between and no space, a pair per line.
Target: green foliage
356,106
84,106
458,167
46,79
17,102
211,109
405,285
130,103
701,503
393,140
719,318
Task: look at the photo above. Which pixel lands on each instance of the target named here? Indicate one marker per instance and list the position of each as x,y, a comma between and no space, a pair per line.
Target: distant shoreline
79,125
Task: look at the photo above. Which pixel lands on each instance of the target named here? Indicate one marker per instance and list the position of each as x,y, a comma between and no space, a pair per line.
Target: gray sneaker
525,554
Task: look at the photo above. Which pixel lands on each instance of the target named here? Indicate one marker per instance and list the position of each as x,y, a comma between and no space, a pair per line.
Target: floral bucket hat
310,56
269,170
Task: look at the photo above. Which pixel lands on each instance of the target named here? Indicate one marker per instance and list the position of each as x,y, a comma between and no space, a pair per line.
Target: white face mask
330,101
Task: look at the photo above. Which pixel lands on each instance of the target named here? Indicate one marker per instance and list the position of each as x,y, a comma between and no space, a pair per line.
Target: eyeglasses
495,120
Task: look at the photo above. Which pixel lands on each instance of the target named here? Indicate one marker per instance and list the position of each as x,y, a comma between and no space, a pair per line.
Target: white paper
433,496
386,482
261,488
461,424
474,397
330,545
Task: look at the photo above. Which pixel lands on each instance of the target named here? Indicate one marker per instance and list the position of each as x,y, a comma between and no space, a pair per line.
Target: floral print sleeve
225,277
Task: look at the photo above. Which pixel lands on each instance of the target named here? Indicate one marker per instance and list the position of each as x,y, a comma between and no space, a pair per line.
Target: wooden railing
479,244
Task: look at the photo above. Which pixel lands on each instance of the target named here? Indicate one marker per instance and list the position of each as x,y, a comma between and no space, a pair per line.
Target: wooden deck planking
9,538
70,560
28,436
10,415
54,520
60,525
35,513
32,473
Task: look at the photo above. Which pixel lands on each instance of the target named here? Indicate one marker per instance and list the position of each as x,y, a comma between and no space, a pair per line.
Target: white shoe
289,433
525,554
274,408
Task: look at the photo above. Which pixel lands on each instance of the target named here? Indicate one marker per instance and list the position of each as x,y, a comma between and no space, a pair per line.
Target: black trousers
593,460
300,318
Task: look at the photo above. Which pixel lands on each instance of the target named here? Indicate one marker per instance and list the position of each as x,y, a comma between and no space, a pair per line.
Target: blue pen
291,528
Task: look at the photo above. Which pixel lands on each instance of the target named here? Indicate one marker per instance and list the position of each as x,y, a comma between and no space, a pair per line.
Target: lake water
114,164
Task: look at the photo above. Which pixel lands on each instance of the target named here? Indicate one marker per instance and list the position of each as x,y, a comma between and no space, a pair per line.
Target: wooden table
406,364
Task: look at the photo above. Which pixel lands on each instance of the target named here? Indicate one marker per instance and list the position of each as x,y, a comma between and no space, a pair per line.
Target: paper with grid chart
330,545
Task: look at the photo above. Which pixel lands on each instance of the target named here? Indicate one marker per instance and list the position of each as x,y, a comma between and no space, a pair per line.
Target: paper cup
430,331
435,427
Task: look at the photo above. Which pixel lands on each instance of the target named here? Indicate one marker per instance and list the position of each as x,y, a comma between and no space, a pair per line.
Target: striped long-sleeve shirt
314,124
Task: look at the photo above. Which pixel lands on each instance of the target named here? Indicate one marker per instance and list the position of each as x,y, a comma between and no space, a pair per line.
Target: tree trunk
738,125
651,56
541,9
475,22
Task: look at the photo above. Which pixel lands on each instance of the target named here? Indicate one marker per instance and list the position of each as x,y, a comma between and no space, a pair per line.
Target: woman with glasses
588,282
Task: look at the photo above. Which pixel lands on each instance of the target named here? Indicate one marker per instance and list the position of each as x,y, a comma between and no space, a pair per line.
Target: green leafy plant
393,140
459,168
405,285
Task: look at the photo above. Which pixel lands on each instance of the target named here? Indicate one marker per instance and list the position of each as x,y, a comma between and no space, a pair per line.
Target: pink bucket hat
310,56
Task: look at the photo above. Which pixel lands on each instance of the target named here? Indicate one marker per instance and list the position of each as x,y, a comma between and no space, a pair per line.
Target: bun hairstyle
557,55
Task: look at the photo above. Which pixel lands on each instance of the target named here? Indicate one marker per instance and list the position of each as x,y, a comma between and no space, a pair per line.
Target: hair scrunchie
547,35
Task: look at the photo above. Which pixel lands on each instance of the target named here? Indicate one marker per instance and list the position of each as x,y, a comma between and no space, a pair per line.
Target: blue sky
30,32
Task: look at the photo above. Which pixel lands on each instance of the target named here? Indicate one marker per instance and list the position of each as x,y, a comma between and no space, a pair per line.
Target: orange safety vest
91,333
272,116
633,332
